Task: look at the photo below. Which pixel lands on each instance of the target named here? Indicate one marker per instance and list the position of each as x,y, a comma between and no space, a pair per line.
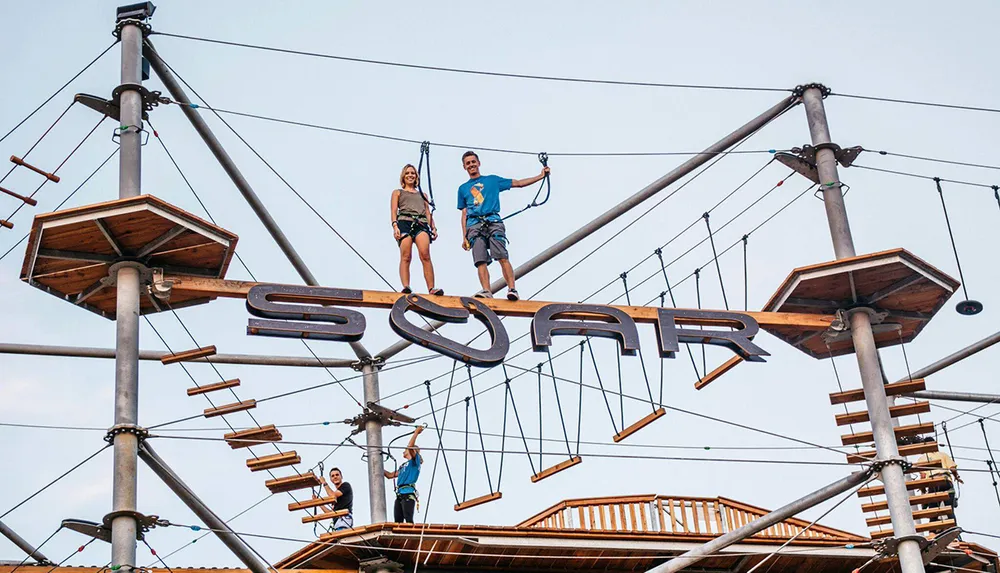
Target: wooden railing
670,515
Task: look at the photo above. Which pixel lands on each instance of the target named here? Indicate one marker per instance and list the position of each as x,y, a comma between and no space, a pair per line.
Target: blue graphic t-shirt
408,474
480,197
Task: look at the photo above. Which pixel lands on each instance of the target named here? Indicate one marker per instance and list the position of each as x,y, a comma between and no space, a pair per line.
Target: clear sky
913,50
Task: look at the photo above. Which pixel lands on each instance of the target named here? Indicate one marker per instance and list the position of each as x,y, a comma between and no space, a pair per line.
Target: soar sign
318,312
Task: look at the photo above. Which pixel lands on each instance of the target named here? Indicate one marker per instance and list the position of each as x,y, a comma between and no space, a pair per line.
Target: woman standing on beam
413,223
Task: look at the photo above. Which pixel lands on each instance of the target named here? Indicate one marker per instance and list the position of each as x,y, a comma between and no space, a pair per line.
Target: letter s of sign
274,301
499,341
738,340
618,325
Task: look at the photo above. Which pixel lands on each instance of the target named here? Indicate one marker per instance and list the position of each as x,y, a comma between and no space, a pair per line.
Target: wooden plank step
310,503
718,372
292,483
230,408
478,501
50,176
555,469
253,436
895,411
910,485
867,437
26,200
187,355
921,527
919,514
647,420
925,499
908,450
325,515
213,387
274,461
896,389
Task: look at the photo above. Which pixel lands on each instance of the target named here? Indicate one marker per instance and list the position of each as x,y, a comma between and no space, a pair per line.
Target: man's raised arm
530,180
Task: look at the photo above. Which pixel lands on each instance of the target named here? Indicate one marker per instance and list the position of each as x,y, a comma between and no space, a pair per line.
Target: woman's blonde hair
403,172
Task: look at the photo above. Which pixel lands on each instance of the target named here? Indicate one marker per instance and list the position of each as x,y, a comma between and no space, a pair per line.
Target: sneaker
436,291
406,290
483,294
512,294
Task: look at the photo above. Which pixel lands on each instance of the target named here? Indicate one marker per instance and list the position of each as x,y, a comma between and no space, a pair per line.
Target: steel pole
155,355
864,341
954,357
760,524
229,166
124,527
956,396
627,205
227,536
24,545
373,441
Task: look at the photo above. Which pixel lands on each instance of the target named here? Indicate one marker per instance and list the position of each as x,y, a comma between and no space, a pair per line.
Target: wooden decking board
895,411
213,387
230,408
274,461
478,501
292,483
187,355
896,389
900,431
253,436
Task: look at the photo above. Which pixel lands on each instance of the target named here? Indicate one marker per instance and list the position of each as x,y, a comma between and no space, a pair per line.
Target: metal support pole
24,545
627,205
124,527
954,357
219,527
864,341
760,524
373,441
154,355
956,396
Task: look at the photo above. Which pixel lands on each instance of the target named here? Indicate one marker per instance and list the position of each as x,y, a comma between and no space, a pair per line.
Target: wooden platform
910,290
69,252
252,437
292,483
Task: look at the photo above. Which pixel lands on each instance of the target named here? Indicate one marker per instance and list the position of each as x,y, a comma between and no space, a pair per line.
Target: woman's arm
393,210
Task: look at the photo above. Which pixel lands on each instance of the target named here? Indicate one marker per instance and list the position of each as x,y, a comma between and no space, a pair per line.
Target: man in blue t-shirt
482,227
406,481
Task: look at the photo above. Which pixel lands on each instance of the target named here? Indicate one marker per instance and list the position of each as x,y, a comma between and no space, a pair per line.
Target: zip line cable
916,102
39,140
934,159
58,91
472,71
919,176
46,486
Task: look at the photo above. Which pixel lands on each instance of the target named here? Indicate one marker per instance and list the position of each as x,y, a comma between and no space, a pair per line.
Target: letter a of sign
737,340
554,320
492,356
278,302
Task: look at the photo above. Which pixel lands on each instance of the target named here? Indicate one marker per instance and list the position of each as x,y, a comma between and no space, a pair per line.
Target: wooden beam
478,501
253,436
325,515
524,308
273,461
894,411
230,408
901,431
213,387
647,420
187,355
310,503
555,469
714,374
895,389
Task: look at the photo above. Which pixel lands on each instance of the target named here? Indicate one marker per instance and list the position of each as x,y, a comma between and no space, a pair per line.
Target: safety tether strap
425,151
546,184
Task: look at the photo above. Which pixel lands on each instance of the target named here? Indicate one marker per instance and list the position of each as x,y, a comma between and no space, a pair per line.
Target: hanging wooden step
6,224
188,355
895,389
917,514
50,176
719,371
910,485
649,419
478,501
908,450
325,515
213,387
310,503
925,499
895,411
921,527
292,483
26,200
275,461
555,469
230,408
867,437
253,437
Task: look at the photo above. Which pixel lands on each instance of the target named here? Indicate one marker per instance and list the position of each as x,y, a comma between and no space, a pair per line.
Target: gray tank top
410,206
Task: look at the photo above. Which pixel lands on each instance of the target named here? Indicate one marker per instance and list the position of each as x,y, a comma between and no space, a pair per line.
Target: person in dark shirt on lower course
345,499
406,480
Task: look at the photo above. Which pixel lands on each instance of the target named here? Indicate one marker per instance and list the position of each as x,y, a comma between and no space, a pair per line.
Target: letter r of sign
499,341
739,340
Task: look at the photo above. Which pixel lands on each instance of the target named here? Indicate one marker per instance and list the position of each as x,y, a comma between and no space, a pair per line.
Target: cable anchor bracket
138,431
800,89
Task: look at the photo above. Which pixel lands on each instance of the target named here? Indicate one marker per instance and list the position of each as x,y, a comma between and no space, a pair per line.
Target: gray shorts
488,240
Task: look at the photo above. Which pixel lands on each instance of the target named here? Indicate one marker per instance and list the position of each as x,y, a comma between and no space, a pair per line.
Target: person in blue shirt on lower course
406,481
482,227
